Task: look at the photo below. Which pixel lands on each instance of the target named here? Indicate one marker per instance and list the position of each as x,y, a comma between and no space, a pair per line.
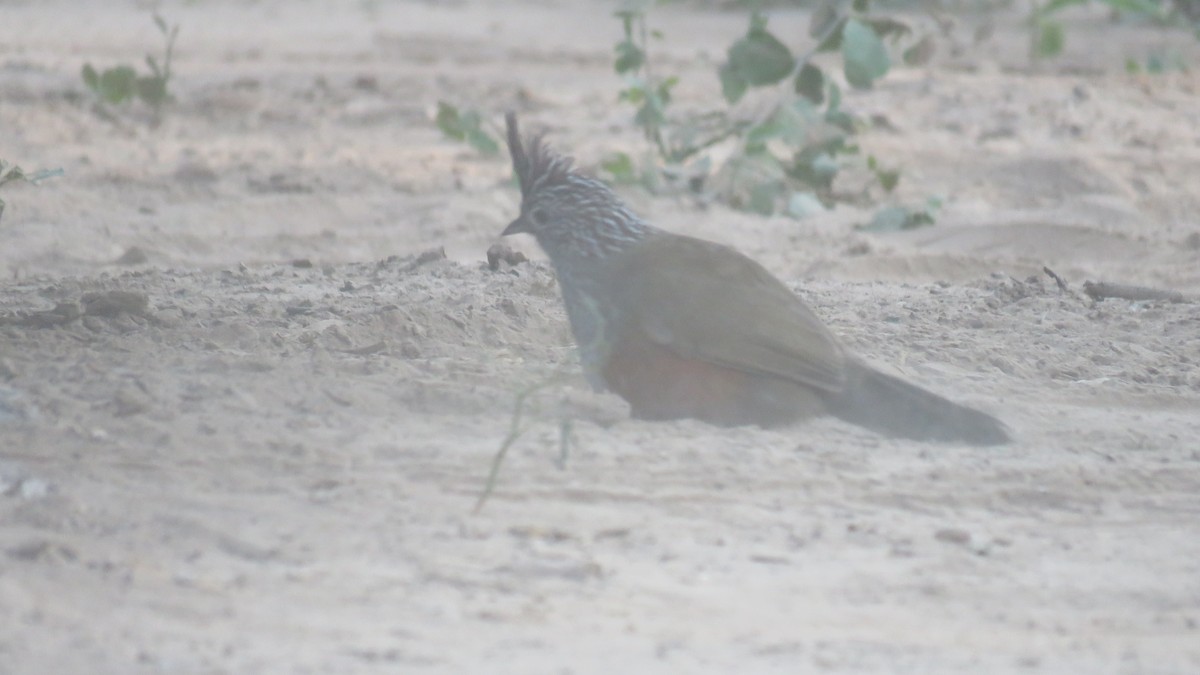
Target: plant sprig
466,126
1048,36
791,151
516,429
121,84
11,173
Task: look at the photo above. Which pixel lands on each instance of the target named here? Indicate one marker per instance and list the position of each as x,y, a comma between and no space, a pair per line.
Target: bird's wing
709,302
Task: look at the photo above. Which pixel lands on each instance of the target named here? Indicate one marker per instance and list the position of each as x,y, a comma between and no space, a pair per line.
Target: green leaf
921,52
465,126
117,85
816,165
804,204
90,77
1162,62
651,103
758,135
842,120
763,197
759,58
626,22
9,172
665,87
834,42
825,167
888,219
469,119
635,7
629,57
888,178
896,219
1048,39
790,122
635,93
810,83
482,142
449,121
1055,6
152,90
620,167
823,19
1139,7
161,23
865,57
886,27
835,97
650,116
755,182
733,85
699,171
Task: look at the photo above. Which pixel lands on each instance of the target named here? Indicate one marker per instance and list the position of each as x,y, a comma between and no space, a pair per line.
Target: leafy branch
10,173
787,155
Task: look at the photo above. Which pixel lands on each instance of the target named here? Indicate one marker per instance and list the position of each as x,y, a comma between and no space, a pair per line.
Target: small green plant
650,96
1048,34
466,126
122,83
787,156
898,218
10,173
1157,63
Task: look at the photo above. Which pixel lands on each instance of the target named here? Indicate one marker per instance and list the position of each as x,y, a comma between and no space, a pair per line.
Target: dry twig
515,430
1099,290
1062,285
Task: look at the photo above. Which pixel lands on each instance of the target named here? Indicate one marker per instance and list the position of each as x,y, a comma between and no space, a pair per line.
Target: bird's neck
606,235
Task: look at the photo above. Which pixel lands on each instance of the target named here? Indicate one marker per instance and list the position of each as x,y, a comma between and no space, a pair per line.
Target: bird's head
569,213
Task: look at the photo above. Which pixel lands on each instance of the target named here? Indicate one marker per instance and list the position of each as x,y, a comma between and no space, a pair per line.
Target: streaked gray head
571,215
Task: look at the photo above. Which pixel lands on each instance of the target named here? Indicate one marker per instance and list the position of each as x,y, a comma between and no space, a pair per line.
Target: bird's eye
537,216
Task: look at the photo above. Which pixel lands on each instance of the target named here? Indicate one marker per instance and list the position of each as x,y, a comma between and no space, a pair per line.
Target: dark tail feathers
893,407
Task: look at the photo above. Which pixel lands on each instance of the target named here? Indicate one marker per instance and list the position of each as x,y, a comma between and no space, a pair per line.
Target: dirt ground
243,420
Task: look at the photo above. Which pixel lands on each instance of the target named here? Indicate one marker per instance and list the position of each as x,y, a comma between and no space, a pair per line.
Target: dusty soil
256,446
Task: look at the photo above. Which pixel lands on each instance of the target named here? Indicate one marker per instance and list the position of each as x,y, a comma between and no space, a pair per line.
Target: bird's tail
893,407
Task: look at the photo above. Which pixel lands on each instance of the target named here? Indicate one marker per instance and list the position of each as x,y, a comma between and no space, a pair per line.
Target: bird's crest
536,165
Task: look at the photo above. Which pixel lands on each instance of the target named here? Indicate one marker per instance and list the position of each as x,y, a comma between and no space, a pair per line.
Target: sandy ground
270,467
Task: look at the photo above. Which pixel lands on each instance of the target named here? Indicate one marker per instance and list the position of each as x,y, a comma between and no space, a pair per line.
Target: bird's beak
518,226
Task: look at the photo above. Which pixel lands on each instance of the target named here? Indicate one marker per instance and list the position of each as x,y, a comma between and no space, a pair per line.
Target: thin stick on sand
515,431
1099,290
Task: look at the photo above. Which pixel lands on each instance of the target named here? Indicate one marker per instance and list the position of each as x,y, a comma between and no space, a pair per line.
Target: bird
682,327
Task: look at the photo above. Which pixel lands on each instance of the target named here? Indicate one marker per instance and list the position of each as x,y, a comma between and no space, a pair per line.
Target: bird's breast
592,325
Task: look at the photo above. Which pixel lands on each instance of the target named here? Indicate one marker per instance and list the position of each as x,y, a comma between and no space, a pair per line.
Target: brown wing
709,302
